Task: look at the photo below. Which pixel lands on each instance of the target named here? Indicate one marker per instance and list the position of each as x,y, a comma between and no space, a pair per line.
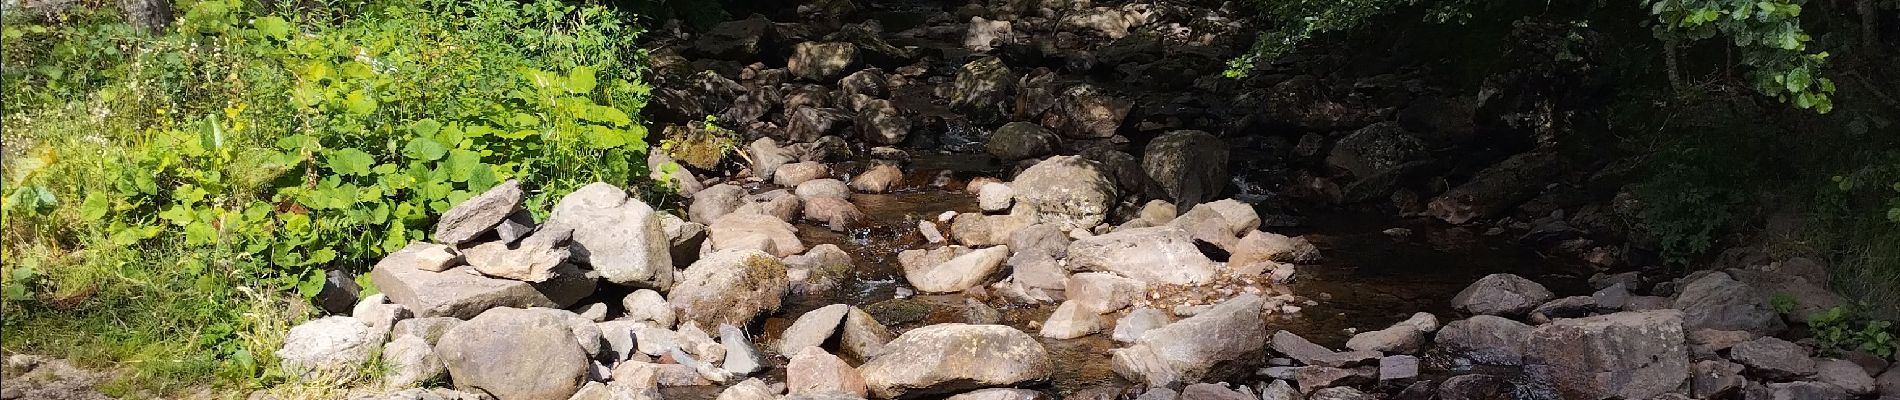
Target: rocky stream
1050,199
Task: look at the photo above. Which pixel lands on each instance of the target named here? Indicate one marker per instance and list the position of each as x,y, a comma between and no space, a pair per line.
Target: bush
186,182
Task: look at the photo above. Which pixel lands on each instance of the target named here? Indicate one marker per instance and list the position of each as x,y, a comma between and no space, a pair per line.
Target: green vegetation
168,196
1839,329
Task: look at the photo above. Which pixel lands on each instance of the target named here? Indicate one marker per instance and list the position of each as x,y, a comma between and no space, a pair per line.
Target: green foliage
1839,330
1769,38
230,161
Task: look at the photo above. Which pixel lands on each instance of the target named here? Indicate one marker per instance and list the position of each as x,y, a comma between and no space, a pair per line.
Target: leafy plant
1840,329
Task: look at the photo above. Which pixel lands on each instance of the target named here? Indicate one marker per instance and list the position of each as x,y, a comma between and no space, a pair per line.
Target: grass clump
173,200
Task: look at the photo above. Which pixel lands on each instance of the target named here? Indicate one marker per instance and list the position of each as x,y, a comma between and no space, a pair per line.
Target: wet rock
878,179
790,175
1475,387
1406,337
1190,166
948,358
1000,394
1716,301
1774,358
513,353
1712,379
741,357
807,124
1101,293
1199,348
734,40
1069,192
1375,150
1485,339
477,215
729,287
1398,368
880,123
1258,247
1501,294
1498,189
862,336
1162,254
812,329
780,204
981,89
959,273
821,61
1129,328
1071,320
1309,353
813,371
333,347
825,187
409,361
621,237
869,82
1631,355
1086,112
838,214
755,232
461,292
1021,140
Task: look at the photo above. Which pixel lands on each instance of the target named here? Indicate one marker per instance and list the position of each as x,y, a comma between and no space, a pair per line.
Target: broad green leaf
425,127
424,148
272,26
461,164
359,104
580,80
95,207
349,161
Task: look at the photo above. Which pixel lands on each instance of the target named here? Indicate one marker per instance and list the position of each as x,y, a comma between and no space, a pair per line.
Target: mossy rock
898,311
698,145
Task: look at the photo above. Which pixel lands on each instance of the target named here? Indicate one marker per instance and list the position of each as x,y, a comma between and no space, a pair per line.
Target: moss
699,145
898,311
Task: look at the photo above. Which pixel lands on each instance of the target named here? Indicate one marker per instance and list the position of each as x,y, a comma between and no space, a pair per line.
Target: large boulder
821,61
1498,189
880,123
958,273
329,348
1375,150
1716,301
1021,140
1226,338
513,353
1773,358
460,292
1626,355
1085,112
619,236
1190,166
729,287
1162,254
471,218
1485,339
734,40
813,371
981,89
755,232
949,358
1501,294
1069,192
